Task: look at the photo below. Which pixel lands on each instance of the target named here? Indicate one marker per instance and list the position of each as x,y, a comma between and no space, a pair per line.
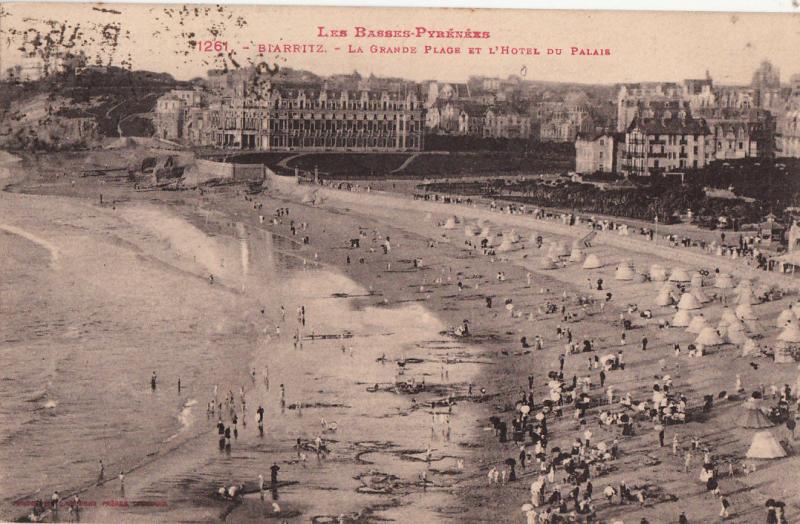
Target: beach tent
563,249
788,343
746,296
795,307
786,316
553,251
486,232
682,318
723,281
754,417
765,446
743,285
699,295
624,272
513,236
749,347
736,335
506,245
545,263
639,278
669,287
688,301
657,273
451,222
592,262
679,275
709,337
728,316
697,280
697,324
664,298
745,312
472,230
576,255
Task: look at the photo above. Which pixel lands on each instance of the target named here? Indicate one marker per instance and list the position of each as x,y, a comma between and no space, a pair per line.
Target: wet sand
391,295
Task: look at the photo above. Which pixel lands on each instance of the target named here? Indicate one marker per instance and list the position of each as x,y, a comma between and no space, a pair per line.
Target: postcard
343,264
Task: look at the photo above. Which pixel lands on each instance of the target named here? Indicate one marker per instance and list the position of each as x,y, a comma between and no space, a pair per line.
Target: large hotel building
294,116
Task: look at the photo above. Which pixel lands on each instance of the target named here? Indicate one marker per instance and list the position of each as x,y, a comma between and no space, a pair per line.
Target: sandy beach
98,296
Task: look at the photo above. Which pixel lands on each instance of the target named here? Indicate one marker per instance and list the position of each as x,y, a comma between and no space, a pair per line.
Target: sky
644,46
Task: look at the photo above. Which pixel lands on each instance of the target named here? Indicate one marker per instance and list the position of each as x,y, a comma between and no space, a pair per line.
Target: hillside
79,110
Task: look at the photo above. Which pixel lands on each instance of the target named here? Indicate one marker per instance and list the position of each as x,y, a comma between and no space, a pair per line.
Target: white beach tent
657,273
786,316
723,281
545,263
514,236
728,316
486,232
576,255
736,336
679,275
451,222
699,295
506,245
709,337
682,318
592,262
765,446
624,271
745,312
688,301
753,416
749,347
743,285
472,230
746,296
697,280
788,343
563,249
664,298
697,324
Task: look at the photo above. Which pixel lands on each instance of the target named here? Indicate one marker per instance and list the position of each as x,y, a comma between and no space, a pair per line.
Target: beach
99,296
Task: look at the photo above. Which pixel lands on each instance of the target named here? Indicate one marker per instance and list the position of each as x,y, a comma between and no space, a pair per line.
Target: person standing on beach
274,474
153,380
122,484
261,485
283,396
102,472
260,420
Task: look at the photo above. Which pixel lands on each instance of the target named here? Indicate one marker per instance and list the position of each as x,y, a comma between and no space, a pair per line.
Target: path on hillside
285,162
410,159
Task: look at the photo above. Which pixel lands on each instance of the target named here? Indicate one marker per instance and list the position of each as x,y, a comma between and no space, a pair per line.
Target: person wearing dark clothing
644,343
273,473
602,378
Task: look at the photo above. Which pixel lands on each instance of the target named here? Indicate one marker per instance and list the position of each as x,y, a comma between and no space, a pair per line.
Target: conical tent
682,318
664,298
790,334
795,307
592,262
746,296
765,446
545,263
679,275
697,280
736,325
749,347
563,249
624,272
506,245
753,417
576,255
486,232
728,316
699,295
669,287
472,230
657,273
514,236
723,281
786,316
688,301
451,222
697,324
743,285
745,312
709,337
736,336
